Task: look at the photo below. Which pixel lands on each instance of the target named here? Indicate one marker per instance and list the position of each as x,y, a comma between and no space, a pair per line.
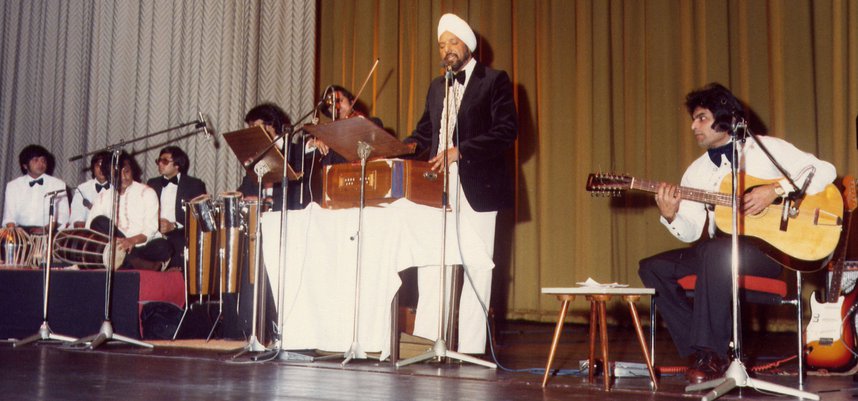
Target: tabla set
220,233
81,247
19,249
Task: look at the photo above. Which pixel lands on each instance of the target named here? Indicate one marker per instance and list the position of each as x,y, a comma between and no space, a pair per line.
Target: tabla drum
39,252
15,247
204,211
88,249
200,240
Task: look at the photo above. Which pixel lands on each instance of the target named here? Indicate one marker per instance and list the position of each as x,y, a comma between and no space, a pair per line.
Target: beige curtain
599,87
78,75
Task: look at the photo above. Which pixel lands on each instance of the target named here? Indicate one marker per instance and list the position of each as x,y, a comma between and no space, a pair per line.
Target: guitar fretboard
697,195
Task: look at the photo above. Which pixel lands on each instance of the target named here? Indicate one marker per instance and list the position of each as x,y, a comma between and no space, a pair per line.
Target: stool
598,298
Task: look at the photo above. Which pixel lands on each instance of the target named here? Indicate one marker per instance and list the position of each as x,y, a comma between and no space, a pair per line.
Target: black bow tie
459,76
174,180
715,154
40,181
99,187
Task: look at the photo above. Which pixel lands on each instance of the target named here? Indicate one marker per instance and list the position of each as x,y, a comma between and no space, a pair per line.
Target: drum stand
45,333
106,333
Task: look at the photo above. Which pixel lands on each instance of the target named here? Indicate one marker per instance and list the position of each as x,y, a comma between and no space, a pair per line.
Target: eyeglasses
163,161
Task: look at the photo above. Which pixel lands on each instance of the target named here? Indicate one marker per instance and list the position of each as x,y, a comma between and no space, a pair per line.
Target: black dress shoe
706,365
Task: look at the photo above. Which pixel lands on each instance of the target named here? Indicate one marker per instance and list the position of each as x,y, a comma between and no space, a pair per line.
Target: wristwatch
779,190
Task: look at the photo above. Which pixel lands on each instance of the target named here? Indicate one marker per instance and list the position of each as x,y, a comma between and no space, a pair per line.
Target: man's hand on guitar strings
758,199
667,198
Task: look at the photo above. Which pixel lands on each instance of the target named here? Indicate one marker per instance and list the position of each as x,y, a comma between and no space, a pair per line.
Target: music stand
246,143
268,167
355,139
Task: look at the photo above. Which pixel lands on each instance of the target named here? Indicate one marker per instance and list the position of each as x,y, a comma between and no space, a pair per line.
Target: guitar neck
696,195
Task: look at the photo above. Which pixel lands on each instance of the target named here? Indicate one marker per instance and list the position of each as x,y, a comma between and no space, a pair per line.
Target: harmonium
386,181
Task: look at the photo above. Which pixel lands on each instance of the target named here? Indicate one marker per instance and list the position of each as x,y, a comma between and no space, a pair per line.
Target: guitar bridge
826,341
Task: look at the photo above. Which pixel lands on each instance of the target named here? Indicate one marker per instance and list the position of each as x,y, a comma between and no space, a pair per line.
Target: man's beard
455,62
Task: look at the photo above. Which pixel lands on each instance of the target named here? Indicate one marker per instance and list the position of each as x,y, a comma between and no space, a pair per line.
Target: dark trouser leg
156,250
712,326
662,272
176,238
705,325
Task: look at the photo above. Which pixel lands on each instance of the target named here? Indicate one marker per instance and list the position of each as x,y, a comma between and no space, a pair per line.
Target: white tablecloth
321,264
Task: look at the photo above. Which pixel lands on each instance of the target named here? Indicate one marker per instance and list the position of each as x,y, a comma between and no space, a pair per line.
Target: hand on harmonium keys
321,146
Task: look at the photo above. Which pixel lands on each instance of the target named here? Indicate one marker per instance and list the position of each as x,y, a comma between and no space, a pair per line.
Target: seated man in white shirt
28,198
136,230
85,193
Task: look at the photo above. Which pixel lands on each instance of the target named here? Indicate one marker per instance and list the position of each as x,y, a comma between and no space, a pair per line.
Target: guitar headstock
849,196
608,184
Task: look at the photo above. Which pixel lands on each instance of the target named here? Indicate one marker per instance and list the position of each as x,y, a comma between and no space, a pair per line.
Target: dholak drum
200,240
228,240
85,248
15,247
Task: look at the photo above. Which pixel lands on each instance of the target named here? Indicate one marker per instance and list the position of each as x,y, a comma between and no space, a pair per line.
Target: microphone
55,193
798,197
204,125
738,124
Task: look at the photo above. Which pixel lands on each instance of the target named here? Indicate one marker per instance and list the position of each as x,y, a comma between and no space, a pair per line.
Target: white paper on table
595,284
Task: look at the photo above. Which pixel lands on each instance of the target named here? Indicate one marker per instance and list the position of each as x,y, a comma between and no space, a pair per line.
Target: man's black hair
720,101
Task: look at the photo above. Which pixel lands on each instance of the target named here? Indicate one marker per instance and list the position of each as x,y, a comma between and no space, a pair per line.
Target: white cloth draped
321,263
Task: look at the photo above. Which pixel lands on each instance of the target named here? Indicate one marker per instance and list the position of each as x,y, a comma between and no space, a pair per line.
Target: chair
753,289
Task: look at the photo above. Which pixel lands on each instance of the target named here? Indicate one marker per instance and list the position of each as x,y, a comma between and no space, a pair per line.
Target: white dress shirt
138,211
702,174
27,205
84,196
168,200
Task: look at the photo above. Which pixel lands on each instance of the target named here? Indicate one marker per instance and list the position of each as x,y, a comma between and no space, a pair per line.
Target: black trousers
156,250
706,323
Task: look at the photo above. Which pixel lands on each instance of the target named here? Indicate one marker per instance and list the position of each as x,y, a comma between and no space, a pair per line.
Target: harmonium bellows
386,181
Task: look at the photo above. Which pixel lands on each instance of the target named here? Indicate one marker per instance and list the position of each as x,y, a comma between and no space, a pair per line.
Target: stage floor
49,371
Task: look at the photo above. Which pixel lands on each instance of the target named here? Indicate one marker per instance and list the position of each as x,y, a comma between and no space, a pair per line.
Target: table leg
564,307
631,301
603,329
592,358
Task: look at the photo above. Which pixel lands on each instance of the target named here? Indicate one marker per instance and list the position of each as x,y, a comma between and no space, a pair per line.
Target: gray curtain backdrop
79,75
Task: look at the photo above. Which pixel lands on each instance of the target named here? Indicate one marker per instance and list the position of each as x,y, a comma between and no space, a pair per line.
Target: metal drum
204,211
249,212
15,248
229,241
200,240
85,248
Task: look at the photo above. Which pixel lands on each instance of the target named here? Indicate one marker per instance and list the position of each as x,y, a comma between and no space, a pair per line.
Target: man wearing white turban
473,141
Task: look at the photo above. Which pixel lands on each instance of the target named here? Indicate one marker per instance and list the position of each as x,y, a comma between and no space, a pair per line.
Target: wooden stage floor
115,371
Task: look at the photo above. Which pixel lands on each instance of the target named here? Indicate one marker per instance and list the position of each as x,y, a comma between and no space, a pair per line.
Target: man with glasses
173,187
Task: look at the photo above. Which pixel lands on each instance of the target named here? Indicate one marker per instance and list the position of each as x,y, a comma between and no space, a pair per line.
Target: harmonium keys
386,181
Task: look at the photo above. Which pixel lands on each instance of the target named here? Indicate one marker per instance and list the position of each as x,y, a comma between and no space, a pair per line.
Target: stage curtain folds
599,87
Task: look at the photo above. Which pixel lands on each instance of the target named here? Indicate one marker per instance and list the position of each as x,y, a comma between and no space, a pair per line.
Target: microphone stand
439,349
736,374
45,333
261,169
106,332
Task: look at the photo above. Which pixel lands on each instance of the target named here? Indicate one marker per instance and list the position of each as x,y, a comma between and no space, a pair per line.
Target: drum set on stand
221,234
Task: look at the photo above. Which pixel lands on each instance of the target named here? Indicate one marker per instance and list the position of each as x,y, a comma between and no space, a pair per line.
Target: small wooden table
598,296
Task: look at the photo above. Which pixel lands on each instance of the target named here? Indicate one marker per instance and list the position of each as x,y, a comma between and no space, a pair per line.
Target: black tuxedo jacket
486,128
189,188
